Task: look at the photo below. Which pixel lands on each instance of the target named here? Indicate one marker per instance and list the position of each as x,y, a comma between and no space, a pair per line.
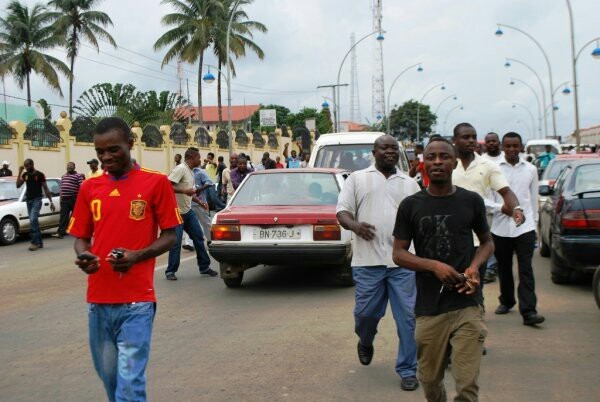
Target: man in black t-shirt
36,182
440,221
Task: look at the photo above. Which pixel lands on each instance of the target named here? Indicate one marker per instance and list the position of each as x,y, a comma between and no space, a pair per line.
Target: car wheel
234,282
544,249
559,274
596,286
342,275
9,231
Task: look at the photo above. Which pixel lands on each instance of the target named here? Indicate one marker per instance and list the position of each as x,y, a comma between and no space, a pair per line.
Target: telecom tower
180,77
355,115
378,102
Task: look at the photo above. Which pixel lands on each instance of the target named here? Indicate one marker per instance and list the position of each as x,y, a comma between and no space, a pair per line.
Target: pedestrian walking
367,206
182,179
5,171
227,190
122,212
417,166
210,166
238,174
69,188
440,221
35,182
510,239
220,168
94,171
200,205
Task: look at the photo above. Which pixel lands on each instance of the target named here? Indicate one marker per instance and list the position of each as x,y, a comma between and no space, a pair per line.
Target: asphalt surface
287,335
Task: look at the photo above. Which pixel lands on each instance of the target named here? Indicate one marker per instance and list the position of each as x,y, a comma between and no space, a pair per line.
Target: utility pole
355,114
334,88
378,99
189,101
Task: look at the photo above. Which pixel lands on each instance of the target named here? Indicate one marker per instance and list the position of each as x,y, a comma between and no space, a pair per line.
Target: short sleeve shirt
440,228
123,213
34,182
293,163
371,197
212,171
183,178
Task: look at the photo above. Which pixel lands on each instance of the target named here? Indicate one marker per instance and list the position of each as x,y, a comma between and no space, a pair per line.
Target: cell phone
116,253
86,257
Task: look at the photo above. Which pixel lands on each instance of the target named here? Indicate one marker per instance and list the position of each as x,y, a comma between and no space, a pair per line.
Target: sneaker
533,319
409,383
365,354
489,278
502,309
210,272
34,247
188,247
171,276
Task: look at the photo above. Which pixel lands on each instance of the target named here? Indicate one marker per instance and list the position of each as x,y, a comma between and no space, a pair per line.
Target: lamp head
512,82
443,87
325,105
209,78
555,107
420,68
596,53
498,32
380,37
566,91
378,117
507,64
454,98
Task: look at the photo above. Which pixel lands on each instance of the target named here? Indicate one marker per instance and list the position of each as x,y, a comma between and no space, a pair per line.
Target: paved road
287,335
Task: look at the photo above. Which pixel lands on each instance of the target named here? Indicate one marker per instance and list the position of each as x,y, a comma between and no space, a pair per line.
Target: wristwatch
520,208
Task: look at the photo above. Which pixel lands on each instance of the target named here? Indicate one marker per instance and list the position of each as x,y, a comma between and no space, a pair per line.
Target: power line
25,99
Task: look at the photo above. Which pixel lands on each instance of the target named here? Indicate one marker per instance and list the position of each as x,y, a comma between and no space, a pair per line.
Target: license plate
276,234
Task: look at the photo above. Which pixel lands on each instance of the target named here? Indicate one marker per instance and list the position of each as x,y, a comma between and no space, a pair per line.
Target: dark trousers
67,205
523,246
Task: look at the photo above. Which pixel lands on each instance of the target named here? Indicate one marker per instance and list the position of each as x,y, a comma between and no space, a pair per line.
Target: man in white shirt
368,205
508,238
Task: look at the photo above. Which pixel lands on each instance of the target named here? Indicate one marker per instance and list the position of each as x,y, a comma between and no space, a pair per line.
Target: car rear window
9,191
587,178
351,157
301,188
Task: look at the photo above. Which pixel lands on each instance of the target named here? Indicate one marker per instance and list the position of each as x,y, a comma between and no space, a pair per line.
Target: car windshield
539,148
9,191
587,178
300,188
351,157
556,166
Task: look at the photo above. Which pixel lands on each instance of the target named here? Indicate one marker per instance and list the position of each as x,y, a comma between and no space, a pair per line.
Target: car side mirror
545,189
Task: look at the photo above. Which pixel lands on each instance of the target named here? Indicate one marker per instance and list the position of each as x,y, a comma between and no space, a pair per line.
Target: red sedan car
283,217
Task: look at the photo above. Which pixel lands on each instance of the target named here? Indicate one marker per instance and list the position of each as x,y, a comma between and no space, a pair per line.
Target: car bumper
578,252
274,254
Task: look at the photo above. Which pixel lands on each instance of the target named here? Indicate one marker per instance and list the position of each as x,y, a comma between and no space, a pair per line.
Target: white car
14,219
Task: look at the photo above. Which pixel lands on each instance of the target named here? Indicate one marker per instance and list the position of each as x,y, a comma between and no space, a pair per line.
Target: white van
536,147
351,151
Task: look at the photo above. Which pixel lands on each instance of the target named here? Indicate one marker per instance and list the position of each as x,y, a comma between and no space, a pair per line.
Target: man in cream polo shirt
367,206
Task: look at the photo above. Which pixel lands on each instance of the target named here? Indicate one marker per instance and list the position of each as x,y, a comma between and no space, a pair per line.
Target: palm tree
194,21
240,38
75,19
24,35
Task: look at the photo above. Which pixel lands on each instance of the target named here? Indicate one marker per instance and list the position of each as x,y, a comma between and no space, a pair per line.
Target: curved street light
450,112
389,107
229,133
419,106
453,96
514,105
526,126
539,105
500,33
337,110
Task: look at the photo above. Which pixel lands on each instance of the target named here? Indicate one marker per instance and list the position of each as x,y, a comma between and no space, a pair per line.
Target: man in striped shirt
69,188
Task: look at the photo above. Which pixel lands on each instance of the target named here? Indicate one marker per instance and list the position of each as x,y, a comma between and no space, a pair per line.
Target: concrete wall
52,161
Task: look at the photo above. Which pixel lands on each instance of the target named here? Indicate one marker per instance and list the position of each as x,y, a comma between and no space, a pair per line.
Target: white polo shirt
523,181
372,198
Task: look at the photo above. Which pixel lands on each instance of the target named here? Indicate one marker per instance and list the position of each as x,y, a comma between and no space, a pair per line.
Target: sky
307,40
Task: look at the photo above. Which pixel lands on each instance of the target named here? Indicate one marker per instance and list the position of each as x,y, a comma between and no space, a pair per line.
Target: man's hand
123,264
470,285
189,191
364,230
286,145
21,168
88,262
52,207
446,274
518,216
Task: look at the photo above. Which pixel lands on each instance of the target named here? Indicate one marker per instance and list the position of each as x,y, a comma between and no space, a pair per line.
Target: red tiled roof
210,114
352,126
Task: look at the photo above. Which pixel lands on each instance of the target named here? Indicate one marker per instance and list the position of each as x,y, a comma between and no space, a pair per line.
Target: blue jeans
33,210
192,228
120,345
213,199
374,287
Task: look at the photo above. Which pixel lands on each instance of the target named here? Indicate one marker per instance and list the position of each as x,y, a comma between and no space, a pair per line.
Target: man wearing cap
5,171
95,172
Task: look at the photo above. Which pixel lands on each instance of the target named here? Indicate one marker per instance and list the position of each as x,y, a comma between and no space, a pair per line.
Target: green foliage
126,102
281,112
324,123
403,121
24,35
46,108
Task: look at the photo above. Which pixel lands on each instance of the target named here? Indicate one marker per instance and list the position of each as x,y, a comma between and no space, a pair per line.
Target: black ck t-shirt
34,183
441,230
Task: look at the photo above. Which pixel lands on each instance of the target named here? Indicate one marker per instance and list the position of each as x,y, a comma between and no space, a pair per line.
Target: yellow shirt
481,176
211,170
91,174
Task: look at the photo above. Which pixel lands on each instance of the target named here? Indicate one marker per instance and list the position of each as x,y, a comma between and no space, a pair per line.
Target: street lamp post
453,96
379,37
229,128
449,112
500,33
528,111
389,107
419,106
539,106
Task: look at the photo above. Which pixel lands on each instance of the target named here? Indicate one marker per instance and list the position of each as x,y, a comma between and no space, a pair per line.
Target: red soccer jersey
123,213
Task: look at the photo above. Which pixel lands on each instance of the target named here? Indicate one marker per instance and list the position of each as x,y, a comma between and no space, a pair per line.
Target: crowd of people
425,250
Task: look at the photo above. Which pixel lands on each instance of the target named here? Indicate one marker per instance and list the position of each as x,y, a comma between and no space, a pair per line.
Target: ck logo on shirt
137,210
434,229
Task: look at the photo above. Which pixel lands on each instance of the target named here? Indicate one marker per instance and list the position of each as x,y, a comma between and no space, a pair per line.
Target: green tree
74,20
240,39
403,121
45,107
281,112
324,123
24,35
193,25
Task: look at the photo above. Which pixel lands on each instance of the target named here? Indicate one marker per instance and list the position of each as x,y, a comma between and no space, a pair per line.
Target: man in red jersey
116,221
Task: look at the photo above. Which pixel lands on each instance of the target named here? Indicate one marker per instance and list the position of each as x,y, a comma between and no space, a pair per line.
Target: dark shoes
188,247
171,276
365,354
409,383
489,278
33,247
533,319
210,272
502,309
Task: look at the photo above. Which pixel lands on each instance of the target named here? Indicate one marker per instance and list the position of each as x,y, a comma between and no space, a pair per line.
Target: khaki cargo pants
465,331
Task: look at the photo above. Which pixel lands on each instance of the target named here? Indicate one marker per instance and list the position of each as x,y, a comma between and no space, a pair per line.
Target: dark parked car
570,220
